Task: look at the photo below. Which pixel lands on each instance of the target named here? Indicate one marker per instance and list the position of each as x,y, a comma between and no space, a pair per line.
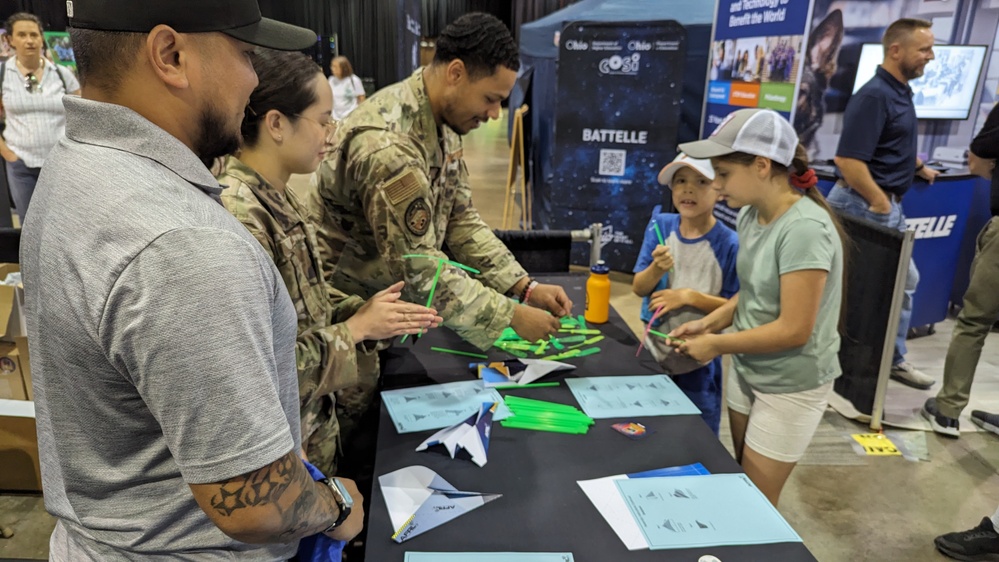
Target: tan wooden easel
517,160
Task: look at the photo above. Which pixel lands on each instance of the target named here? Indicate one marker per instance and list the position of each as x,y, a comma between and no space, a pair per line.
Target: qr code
612,162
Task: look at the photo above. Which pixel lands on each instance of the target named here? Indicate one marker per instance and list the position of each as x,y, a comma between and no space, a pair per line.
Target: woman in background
347,88
31,91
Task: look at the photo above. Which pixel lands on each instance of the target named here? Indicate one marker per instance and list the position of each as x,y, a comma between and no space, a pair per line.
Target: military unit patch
402,188
418,217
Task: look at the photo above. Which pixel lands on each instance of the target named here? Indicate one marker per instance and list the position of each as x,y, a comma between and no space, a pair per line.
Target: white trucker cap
761,132
682,160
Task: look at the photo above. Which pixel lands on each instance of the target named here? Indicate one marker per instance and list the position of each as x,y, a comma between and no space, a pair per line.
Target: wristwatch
342,498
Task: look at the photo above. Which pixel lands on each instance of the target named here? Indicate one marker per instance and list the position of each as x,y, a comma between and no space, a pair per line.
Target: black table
542,508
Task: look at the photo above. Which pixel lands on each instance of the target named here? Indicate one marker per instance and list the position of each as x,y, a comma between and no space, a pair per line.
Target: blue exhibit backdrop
756,61
615,128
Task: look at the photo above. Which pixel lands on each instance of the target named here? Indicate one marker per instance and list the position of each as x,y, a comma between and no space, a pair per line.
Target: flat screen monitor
949,82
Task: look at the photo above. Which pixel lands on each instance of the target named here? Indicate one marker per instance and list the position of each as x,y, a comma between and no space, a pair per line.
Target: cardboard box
15,370
11,307
11,378
19,447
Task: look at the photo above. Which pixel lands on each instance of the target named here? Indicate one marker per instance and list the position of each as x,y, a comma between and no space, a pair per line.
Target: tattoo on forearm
286,487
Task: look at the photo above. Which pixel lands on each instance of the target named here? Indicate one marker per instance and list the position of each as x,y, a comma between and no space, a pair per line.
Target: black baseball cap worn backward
239,19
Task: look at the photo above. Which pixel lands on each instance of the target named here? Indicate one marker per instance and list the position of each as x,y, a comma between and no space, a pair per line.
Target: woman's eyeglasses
329,125
31,83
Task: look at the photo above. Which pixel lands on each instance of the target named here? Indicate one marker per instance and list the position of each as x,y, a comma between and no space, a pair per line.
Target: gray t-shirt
804,237
162,342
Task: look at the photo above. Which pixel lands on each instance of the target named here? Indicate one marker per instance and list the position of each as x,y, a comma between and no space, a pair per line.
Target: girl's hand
669,300
662,260
688,331
701,348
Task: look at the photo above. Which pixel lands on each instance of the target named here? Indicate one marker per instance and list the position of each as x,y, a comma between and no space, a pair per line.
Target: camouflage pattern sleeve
327,361
344,305
398,203
474,244
325,354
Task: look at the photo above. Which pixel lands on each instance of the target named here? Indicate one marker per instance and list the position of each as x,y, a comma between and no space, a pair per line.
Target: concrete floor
888,509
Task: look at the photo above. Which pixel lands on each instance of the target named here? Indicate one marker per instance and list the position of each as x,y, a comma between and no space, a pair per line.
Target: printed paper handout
630,396
440,405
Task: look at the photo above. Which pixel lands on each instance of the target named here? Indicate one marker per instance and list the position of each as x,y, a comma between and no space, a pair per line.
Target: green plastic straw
667,336
582,321
583,332
590,341
591,351
532,385
566,416
516,353
568,339
433,285
517,400
517,346
550,428
662,242
551,422
541,348
456,352
564,355
556,343
454,263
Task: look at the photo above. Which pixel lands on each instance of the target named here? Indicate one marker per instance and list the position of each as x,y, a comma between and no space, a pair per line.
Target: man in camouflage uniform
330,362
395,184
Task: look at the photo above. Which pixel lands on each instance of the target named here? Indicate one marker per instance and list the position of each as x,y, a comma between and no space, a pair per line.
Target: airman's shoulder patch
418,217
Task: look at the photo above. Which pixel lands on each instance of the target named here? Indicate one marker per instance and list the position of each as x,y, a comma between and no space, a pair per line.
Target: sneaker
940,423
986,421
980,543
908,375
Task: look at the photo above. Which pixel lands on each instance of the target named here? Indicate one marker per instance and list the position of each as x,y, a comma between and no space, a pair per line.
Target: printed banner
620,88
756,57
410,15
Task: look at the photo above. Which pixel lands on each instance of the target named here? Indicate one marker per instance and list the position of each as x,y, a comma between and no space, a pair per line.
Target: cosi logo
627,65
932,227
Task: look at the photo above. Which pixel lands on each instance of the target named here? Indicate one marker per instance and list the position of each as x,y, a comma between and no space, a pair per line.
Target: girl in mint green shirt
786,315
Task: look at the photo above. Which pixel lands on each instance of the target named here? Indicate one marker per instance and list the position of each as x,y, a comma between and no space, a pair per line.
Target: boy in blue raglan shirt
688,276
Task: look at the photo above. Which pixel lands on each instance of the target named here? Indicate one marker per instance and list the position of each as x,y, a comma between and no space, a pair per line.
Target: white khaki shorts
780,425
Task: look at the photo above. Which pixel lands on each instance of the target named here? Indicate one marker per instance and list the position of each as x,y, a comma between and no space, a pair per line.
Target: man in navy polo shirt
877,158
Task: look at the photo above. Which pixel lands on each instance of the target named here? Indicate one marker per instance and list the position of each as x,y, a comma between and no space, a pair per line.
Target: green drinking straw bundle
539,415
440,267
564,347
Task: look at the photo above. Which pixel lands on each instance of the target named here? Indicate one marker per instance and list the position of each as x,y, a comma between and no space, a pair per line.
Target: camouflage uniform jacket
325,351
396,184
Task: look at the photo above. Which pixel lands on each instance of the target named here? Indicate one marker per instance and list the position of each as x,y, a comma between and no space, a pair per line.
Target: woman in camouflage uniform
285,130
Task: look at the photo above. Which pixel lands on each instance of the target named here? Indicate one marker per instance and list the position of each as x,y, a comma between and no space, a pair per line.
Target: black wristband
920,167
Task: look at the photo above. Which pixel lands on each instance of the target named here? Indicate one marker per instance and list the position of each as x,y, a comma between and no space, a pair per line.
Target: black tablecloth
542,508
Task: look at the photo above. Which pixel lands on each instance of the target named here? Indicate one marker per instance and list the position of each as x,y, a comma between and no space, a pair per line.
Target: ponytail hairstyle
802,178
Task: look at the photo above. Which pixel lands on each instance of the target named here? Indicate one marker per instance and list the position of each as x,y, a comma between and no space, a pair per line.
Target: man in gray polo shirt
162,337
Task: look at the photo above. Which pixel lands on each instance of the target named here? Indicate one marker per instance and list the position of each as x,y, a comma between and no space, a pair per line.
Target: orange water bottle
598,294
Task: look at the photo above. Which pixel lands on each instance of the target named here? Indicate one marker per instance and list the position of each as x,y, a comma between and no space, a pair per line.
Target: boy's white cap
702,167
761,132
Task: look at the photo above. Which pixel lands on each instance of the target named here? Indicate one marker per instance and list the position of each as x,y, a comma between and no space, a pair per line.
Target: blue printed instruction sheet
630,397
440,405
489,556
700,511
